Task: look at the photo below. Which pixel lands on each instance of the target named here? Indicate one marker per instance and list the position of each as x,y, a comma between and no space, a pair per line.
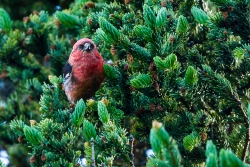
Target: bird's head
84,44
84,50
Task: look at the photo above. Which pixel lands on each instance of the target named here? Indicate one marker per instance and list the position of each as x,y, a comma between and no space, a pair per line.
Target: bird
83,73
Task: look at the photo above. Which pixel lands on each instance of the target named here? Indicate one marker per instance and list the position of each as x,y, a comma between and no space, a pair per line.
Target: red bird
83,73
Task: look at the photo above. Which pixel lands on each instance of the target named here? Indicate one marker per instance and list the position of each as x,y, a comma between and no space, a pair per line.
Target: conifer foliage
179,64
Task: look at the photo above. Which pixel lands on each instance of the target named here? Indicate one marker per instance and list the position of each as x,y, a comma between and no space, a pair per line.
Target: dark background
18,9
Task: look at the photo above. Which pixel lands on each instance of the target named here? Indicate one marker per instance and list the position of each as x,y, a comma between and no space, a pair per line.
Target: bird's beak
88,47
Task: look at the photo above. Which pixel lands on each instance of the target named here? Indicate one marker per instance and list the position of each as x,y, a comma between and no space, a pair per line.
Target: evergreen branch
149,17
229,92
111,35
138,50
11,43
109,71
219,2
182,25
191,77
218,79
141,81
199,15
170,62
104,116
161,17
113,138
5,22
67,20
111,31
190,141
246,121
17,126
211,154
144,32
77,116
164,146
228,159
186,104
33,135
89,131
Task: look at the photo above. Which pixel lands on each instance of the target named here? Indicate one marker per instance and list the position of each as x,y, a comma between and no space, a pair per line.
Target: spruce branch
161,17
182,25
89,131
33,135
144,32
191,77
187,104
110,34
170,62
149,17
109,71
199,15
141,81
11,43
68,20
5,21
111,31
103,112
138,50
77,116
110,137
17,126
239,55
191,141
227,90
228,159
211,154
164,146
247,124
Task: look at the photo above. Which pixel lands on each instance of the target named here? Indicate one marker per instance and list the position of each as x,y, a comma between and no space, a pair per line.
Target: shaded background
17,9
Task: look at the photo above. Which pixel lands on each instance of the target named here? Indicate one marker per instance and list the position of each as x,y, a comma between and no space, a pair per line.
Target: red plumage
83,73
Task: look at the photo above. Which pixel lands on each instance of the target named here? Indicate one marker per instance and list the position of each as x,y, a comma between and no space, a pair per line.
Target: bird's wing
67,69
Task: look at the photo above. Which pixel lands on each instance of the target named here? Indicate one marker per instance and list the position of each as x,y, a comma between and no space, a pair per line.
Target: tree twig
132,140
201,4
93,152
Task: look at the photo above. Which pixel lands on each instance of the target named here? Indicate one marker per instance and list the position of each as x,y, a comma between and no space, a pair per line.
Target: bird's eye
86,47
81,47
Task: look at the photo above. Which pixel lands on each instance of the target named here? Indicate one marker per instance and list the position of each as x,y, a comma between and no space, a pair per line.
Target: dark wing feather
67,69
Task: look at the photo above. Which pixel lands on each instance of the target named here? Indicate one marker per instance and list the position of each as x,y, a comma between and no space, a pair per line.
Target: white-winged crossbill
83,73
